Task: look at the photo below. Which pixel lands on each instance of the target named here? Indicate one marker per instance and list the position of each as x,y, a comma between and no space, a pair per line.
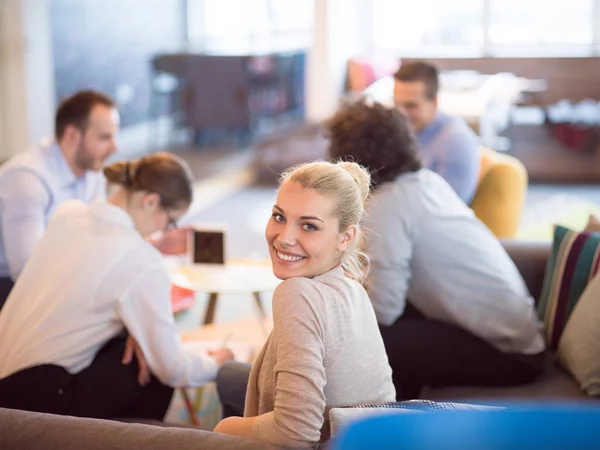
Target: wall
571,78
338,35
108,45
39,81
13,112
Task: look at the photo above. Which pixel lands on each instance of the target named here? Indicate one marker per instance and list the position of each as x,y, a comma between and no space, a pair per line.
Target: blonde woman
325,349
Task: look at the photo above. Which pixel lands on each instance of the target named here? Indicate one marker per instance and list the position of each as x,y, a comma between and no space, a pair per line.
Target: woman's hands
133,348
221,355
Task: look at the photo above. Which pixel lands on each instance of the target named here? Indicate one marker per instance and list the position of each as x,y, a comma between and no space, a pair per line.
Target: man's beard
85,161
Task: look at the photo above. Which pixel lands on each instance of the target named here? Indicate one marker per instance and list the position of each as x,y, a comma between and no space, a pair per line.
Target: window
245,25
476,27
292,15
224,18
406,25
541,22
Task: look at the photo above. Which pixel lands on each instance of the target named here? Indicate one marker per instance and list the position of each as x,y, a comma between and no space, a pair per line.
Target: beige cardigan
325,351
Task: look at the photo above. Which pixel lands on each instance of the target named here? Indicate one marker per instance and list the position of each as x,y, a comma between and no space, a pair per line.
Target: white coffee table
236,277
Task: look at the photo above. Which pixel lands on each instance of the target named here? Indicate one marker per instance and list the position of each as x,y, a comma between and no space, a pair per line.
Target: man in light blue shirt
448,146
35,182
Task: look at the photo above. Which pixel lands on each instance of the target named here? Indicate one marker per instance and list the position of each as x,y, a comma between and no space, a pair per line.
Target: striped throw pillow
573,263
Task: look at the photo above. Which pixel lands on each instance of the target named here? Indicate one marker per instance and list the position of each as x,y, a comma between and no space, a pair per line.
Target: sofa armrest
38,431
530,258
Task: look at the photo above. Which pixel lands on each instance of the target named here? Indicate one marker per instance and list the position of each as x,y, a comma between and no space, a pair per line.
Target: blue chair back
556,426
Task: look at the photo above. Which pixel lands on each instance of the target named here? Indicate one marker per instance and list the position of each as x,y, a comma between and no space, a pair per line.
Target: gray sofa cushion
37,431
553,384
530,258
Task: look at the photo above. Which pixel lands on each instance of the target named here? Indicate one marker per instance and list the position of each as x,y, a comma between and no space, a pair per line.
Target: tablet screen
208,247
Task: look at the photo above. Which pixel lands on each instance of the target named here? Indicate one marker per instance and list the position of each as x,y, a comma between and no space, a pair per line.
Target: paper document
242,351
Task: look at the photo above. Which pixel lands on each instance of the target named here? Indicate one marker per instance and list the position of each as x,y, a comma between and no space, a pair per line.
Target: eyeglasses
171,224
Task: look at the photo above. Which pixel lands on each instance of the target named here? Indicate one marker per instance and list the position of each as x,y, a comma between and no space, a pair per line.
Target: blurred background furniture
236,277
483,101
501,192
575,125
242,94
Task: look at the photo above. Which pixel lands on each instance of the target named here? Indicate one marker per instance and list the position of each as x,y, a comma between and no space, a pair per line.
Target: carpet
570,211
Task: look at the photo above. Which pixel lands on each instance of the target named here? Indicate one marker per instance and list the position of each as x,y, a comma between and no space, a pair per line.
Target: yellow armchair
501,192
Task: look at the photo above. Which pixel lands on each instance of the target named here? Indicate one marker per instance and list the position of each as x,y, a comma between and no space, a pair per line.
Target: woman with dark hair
376,135
93,278
452,307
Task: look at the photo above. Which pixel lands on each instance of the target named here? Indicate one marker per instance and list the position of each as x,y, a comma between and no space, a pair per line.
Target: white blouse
89,277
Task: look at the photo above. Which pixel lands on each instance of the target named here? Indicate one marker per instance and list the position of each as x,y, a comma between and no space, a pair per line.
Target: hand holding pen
223,354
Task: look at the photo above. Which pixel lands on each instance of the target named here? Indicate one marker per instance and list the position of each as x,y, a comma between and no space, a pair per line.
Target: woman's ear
347,237
150,201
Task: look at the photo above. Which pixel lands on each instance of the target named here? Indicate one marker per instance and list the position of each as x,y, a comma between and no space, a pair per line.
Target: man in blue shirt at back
448,146
35,182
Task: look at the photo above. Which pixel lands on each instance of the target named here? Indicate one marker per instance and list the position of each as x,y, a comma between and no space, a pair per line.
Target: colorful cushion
572,264
579,346
593,224
362,72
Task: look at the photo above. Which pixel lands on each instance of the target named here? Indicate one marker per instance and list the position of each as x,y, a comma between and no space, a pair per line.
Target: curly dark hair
376,137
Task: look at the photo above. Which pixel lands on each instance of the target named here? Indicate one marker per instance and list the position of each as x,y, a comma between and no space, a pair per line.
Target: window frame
235,42
490,49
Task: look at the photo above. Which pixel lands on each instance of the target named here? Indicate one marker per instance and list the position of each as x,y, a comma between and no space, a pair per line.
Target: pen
226,340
